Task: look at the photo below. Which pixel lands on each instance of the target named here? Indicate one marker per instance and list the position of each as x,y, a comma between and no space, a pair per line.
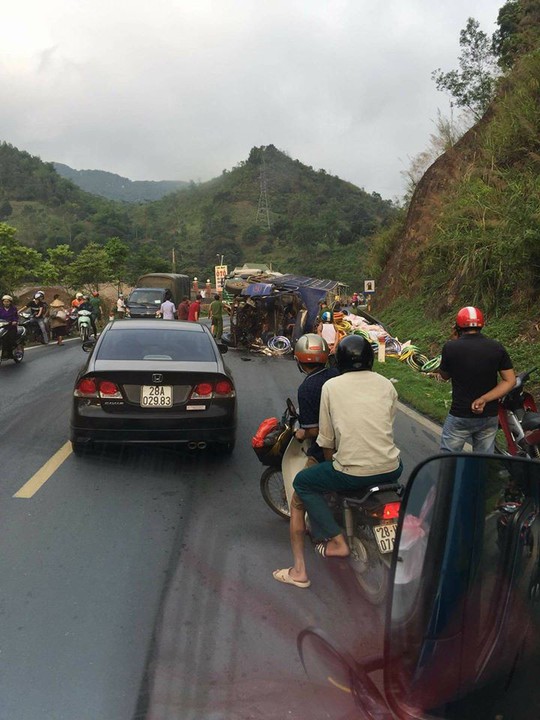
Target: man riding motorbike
8,313
311,354
356,432
39,307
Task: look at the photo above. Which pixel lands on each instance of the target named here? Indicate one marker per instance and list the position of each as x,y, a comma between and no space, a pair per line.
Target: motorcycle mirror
463,580
339,685
291,408
88,345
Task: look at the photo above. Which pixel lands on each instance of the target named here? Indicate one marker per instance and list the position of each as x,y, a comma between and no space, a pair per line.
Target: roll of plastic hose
280,345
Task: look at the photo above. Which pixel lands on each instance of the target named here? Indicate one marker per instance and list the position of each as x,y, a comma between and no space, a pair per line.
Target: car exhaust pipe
201,445
192,445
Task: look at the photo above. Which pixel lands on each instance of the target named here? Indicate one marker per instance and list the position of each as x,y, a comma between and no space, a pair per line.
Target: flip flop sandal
283,576
321,548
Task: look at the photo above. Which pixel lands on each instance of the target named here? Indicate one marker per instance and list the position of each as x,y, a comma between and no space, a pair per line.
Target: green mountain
274,209
269,208
115,187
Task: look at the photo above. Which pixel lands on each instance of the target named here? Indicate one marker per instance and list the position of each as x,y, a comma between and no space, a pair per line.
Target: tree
17,262
56,267
5,209
117,253
90,267
473,85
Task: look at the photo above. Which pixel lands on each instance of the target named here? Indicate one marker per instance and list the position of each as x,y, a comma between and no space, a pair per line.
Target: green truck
145,299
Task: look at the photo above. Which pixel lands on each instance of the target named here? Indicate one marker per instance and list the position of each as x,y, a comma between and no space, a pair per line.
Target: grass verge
408,320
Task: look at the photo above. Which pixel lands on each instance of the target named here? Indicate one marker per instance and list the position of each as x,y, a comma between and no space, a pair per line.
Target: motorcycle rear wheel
369,567
273,492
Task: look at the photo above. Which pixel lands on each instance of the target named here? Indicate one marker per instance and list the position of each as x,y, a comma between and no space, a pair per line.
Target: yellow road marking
30,488
337,685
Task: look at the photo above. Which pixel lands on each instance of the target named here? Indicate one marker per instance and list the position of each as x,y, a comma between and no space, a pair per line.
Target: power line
263,211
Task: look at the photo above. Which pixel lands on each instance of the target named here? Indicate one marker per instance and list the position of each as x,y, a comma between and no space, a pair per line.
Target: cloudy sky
182,89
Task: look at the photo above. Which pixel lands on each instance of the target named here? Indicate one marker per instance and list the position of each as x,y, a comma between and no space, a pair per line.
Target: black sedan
154,381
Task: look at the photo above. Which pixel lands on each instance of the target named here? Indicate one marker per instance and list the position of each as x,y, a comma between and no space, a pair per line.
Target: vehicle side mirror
465,583
458,564
88,345
223,348
291,408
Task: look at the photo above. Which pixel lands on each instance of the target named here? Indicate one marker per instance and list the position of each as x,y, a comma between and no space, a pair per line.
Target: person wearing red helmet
481,372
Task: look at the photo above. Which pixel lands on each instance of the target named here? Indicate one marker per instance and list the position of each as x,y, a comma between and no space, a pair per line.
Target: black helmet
354,352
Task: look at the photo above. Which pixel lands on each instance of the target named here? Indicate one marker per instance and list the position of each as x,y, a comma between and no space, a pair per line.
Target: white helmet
78,295
39,294
7,297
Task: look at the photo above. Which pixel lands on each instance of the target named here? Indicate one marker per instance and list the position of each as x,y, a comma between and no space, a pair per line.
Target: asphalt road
136,583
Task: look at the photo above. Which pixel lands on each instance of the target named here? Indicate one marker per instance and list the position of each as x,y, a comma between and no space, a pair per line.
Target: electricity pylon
263,212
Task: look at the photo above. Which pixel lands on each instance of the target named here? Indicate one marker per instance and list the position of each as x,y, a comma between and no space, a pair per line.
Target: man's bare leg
337,547
297,531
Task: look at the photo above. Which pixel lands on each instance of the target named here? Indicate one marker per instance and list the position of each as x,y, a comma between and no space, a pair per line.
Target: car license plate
385,536
156,396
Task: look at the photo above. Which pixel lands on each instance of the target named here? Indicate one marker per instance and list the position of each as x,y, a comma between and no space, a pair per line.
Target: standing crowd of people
190,311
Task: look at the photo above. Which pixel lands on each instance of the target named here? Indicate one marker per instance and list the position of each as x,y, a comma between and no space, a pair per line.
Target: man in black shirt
473,363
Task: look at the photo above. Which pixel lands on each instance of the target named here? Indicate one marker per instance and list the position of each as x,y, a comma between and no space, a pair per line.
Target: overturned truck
271,316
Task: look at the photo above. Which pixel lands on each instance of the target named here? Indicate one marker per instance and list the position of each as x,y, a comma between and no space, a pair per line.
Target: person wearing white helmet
77,300
39,308
8,312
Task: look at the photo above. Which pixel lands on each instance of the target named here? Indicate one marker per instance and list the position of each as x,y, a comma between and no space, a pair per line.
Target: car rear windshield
156,344
146,297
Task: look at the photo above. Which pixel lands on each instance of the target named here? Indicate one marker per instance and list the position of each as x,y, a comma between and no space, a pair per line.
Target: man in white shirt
167,309
356,433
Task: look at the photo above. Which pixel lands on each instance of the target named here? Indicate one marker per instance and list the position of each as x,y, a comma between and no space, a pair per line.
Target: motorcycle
519,422
83,324
368,516
29,321
17,352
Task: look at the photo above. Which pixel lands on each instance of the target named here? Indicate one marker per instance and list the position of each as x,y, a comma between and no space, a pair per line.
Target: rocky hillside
471,233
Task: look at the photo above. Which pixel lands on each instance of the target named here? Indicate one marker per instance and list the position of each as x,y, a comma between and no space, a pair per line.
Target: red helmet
469,317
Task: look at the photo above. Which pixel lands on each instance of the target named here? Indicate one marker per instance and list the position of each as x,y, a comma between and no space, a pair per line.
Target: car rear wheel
226,448
79,449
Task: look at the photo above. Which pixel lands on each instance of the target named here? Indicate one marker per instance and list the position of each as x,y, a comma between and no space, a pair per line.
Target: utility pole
173,260
263,211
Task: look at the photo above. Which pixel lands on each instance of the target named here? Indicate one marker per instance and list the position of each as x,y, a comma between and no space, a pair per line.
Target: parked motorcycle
368,516
29,321
17,352
83,324
519,421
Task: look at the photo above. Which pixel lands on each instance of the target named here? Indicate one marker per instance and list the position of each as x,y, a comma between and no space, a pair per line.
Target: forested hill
268,208
115,187
275,209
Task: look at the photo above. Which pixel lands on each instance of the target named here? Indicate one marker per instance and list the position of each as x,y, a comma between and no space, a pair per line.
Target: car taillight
109,389
87,387
224,387
202,391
